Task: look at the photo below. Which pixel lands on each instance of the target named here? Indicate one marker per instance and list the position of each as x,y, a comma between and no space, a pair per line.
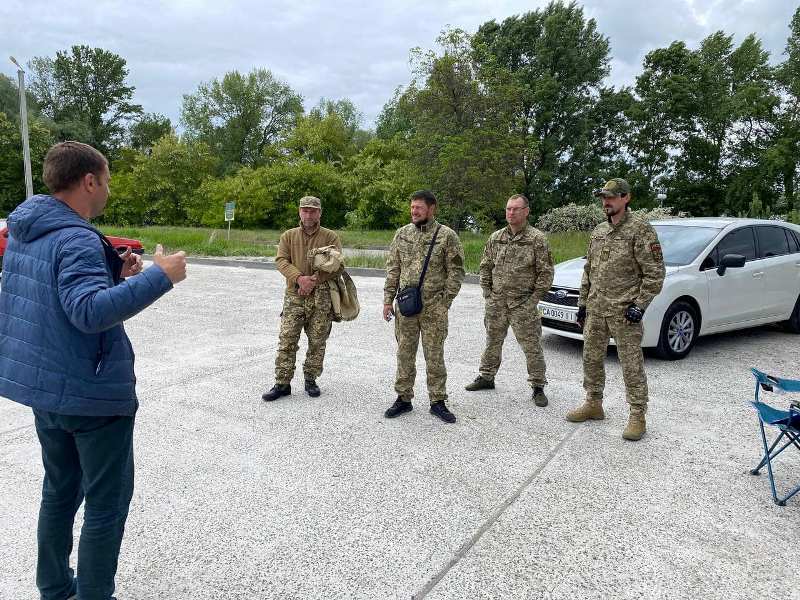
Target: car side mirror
730,261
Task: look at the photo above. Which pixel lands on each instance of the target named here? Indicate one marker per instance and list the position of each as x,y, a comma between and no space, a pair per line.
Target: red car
120,243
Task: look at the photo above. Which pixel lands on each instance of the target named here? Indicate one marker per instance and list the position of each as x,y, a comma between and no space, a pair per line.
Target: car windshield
681,244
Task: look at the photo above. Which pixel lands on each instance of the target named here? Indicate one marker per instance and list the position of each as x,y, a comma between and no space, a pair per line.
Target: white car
722,274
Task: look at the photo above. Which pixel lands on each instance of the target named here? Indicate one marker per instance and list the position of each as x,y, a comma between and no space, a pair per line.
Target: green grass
261,242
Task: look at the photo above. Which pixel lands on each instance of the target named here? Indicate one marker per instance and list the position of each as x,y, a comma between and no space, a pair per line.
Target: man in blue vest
64,353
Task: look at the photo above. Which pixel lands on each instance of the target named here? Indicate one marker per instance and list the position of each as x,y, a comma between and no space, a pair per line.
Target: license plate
559,314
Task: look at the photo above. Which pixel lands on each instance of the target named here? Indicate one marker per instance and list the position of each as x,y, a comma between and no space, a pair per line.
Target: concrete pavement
324,498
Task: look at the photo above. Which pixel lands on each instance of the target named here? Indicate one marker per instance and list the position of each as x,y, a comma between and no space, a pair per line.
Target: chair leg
793,440
768,459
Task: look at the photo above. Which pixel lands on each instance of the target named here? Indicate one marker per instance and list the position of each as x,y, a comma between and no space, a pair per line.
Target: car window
772,241
794,244
738,241
681,244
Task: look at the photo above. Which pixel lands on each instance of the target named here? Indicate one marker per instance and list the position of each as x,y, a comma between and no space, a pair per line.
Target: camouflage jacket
624,265
407,255
518,266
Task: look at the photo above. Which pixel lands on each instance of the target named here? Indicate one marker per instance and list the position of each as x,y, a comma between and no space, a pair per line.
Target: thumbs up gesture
174,265
131,263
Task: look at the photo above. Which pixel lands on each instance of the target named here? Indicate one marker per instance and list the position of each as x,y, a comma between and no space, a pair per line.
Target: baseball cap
614,187
310,202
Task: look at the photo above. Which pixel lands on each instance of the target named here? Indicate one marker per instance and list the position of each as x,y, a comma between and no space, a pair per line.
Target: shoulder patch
655,250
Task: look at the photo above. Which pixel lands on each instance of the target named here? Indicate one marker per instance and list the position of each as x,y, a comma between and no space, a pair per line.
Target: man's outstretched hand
174,265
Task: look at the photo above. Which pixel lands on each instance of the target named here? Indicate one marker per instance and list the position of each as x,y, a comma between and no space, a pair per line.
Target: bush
585,217
572,217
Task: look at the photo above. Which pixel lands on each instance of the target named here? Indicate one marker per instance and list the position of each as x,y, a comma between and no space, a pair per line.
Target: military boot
312,389
278,390
480,383
539,397
590,410
636,426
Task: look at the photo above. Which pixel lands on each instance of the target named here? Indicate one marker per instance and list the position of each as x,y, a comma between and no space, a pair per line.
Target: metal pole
229,231
23,118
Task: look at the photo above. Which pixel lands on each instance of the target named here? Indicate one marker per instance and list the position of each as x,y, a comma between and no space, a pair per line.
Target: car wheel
793,324
679,331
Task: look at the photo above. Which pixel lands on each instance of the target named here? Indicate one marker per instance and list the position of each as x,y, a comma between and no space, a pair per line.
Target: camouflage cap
614,187
310,202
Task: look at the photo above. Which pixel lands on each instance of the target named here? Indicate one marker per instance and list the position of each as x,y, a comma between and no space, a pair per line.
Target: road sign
229,210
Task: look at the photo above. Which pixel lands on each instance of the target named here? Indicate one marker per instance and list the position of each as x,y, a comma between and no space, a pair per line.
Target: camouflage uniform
312,313
515,273
624,266
442,284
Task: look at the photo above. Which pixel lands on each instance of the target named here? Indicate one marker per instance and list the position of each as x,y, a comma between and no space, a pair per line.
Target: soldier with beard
442,282
306,303
624,271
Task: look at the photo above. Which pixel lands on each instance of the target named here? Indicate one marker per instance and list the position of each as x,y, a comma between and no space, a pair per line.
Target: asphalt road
324,498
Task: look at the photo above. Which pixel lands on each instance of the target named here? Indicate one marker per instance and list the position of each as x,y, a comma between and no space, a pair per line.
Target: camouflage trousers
431,325
312,314
527,325
628,336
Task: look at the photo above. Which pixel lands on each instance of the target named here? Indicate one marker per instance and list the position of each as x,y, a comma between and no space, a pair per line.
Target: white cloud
337,49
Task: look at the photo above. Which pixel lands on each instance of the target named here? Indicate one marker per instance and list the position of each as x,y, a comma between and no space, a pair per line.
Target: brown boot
636,426
589,410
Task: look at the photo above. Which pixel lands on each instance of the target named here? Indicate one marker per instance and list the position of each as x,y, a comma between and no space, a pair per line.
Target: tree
9,99
267,196
160,187
550,63
84,92
329,133
148,129
241,116
12,174
381,179
783,154
461,144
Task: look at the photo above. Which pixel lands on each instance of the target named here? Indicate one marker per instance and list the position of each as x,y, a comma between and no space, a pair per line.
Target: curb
270,266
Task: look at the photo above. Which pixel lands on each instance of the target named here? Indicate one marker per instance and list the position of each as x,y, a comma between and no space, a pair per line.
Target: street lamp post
23,118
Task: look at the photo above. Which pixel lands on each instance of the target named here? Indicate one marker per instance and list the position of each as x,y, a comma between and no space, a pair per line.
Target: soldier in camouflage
306,303
624,271
516,271
441,285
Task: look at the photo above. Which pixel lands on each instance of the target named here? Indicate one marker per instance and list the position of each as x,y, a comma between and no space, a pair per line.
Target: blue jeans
91,459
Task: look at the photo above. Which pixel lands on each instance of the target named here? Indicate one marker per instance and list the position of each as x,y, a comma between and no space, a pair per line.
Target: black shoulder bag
409,299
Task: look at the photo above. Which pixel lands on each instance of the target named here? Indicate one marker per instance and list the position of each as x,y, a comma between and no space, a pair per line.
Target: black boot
539,397
312,388
278,390
440,410
399,407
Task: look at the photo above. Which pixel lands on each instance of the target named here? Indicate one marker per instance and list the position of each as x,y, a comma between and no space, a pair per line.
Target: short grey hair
522,197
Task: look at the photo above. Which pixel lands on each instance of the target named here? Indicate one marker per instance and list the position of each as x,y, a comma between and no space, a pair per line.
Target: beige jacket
344,296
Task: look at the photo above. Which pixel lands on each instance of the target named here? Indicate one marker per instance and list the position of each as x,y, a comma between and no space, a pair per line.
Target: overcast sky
337,49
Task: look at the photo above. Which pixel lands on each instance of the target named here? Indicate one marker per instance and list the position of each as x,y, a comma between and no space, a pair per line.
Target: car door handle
758,275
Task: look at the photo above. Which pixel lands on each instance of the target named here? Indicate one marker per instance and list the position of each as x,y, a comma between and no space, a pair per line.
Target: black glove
634,314
580,318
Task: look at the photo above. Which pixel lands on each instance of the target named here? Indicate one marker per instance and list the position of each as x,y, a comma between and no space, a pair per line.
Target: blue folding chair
786,421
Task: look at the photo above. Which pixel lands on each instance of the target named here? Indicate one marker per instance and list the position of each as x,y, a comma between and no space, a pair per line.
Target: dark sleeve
92,304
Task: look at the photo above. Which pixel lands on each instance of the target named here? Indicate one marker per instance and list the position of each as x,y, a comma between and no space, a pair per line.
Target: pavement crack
467,545
15,430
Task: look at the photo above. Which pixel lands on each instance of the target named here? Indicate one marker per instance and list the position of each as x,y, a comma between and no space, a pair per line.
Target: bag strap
428,257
